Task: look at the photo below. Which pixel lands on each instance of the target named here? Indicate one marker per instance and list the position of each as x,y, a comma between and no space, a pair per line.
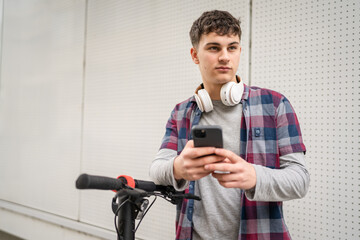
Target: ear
194,55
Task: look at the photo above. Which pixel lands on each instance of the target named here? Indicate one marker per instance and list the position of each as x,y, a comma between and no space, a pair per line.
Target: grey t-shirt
217,215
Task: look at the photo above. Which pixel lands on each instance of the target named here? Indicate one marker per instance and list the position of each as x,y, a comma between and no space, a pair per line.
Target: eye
233,48
213,48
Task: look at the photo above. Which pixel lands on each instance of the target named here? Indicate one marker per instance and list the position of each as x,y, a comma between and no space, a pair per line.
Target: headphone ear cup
231,93
199,103
225,93
203,101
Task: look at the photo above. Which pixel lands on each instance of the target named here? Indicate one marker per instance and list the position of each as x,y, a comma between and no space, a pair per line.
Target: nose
224,56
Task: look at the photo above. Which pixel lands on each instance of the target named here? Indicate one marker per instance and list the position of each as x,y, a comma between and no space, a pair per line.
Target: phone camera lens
200,133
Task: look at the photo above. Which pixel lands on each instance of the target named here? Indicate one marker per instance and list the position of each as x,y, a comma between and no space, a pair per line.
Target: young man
263,152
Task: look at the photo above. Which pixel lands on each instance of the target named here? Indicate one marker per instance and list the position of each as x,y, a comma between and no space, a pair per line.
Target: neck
214,89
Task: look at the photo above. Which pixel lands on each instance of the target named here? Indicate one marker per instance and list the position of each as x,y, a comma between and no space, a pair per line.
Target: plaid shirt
269,129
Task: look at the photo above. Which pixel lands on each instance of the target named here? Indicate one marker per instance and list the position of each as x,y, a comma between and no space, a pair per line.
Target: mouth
223,69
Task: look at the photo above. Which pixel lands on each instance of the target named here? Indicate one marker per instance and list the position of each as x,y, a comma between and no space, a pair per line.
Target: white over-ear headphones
230,94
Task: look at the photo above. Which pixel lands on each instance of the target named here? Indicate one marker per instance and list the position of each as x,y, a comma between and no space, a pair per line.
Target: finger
197,173
228,154
201,161
226,160
196,152
210,159
233,184
224,167
225,177
190,144
201,151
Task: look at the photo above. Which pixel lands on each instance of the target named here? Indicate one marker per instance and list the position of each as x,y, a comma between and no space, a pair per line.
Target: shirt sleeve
170,139
291,181
162,170
288,129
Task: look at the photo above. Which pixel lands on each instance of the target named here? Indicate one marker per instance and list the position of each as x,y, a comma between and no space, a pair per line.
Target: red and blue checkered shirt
269,129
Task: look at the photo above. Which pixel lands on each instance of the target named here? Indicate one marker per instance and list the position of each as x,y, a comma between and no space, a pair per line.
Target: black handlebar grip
86,181
145,185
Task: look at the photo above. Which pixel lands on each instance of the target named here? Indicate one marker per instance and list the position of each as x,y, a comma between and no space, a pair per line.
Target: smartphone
207,136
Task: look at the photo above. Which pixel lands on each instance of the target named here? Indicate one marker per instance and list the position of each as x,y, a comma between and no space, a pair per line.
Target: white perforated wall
1,28
310,51
87,86
40,104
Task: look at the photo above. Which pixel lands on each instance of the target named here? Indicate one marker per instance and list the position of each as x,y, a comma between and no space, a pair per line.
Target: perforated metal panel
138,66
1,29
309,51
40,104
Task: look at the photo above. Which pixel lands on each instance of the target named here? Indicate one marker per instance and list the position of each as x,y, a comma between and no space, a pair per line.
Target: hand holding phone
208,136
189,165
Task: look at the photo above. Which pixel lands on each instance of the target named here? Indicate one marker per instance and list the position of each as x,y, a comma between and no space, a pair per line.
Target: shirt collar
245,95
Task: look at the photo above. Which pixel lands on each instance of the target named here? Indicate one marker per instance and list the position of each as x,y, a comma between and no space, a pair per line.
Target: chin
225,79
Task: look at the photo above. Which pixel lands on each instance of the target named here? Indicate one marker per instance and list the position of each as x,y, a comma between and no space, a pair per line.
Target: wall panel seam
250,39
83,99
2,39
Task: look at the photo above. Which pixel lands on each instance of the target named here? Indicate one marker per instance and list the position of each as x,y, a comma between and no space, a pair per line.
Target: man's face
218,58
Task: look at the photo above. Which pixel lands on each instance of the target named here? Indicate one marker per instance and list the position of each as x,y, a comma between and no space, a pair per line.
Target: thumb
190,144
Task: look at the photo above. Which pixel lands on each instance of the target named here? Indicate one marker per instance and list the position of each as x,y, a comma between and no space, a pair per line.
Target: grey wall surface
310,51
87,86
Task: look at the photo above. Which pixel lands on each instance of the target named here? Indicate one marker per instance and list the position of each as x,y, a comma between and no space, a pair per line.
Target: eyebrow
218,44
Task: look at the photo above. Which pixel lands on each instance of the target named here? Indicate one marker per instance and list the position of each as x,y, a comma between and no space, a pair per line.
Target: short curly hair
220,22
